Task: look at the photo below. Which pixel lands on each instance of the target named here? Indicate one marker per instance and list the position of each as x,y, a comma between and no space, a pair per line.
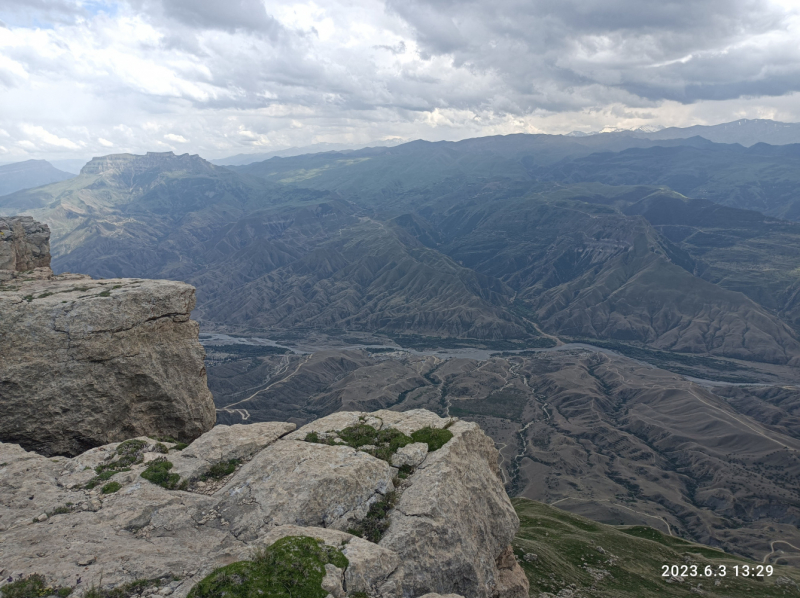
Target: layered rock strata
86,362
449,531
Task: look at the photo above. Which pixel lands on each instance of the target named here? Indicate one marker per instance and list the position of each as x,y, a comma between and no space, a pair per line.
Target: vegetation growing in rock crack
375,524
158,473
33,586
128,453
130,589
220,470
292,567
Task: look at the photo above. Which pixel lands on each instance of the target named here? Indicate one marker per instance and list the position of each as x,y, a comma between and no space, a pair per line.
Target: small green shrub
105,293
161,448
433,437
220,470
103,477
158,473
179,446
292,567
33,586
312,437
110,488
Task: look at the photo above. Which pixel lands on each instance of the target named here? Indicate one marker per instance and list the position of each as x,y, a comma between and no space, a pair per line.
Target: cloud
249,73
38,136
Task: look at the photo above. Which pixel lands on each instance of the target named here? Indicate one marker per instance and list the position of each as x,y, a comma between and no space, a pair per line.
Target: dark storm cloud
679,50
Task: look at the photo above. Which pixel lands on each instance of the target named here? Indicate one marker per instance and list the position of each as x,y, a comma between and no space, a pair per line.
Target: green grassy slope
602,561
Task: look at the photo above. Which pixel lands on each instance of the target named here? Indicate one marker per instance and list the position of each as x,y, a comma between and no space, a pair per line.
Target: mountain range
447,240
557,253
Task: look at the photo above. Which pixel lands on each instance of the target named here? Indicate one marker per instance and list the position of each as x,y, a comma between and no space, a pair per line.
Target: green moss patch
110,488
433,437
33,586
292,567
158,473
386,441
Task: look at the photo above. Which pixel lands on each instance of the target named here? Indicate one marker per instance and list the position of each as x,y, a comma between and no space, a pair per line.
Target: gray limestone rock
24,247
449,532
301,483
412,454
226,443
87,362
452,516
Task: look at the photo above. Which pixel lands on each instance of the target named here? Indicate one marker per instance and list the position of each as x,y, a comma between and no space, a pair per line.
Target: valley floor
601,435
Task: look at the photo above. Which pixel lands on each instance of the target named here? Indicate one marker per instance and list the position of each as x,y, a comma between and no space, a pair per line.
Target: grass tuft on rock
433,437
158,474
292,567
110,488
33,586
220,470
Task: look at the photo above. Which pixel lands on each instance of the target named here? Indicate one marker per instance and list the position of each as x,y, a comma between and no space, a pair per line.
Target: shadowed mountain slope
466,244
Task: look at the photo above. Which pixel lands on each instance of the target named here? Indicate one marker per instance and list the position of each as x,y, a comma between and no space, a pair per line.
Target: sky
80,78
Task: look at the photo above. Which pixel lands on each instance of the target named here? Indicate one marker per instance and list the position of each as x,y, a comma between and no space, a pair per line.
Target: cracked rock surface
449,532
88,362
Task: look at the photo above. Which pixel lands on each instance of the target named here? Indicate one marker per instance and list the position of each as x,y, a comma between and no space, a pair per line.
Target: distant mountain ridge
28,174
744,131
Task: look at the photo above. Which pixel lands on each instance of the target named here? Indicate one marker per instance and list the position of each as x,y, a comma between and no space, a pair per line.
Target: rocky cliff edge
419,510
85,362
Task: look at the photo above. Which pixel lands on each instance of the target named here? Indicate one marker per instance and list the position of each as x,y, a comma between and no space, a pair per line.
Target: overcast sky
219,77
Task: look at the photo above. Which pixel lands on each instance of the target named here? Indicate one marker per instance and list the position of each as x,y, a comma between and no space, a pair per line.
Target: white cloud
235,76
39,136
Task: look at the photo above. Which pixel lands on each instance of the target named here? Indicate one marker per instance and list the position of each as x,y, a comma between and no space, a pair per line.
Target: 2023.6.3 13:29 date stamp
716,571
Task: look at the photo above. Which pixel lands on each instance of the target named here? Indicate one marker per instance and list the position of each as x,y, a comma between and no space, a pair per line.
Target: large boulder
24,247
448,531
87,362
